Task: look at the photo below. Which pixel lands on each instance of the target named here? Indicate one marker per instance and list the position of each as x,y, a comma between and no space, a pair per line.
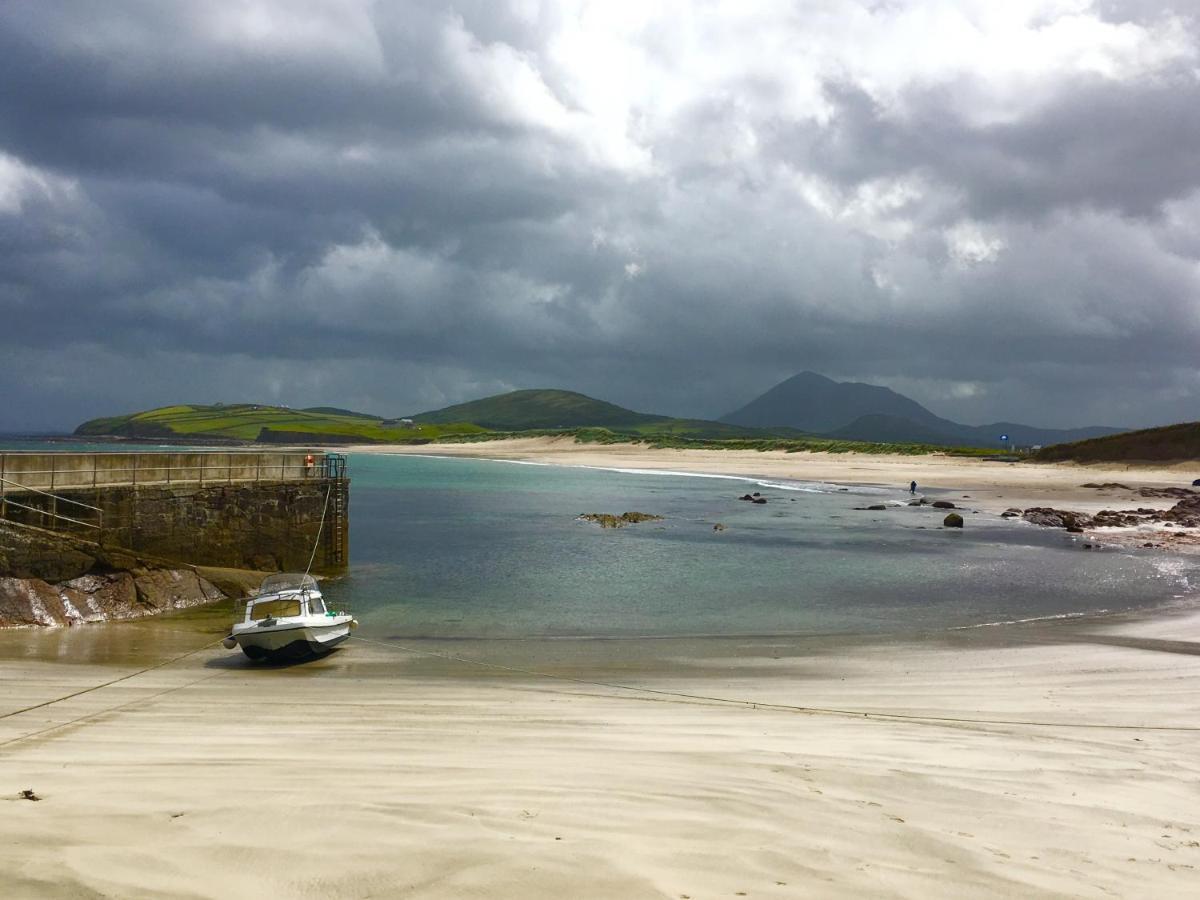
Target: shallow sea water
462,548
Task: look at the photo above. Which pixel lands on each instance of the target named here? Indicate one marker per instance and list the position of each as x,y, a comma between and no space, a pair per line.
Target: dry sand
375,773
992,486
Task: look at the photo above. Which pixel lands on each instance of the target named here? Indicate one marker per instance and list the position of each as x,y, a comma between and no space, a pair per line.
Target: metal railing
27,505
53,514
72,471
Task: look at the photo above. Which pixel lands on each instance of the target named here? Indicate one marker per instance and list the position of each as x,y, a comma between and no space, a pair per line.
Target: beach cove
1044,758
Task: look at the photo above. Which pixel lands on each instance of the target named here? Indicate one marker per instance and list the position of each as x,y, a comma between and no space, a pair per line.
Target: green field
258,422
511,415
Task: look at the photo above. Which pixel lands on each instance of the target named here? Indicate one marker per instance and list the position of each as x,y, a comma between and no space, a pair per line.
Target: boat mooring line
102,712
676,696
320,528
96,687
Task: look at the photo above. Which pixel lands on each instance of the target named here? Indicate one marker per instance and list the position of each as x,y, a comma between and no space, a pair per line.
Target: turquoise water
473,548
461,548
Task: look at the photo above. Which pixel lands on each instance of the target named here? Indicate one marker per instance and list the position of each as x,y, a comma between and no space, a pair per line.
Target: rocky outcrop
608,520
164,589
54,579
101,598
1184,514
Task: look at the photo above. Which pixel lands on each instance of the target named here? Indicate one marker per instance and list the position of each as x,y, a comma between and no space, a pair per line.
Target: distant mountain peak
813,402
852,410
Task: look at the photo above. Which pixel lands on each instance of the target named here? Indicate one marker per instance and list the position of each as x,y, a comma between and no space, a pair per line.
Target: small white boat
287,619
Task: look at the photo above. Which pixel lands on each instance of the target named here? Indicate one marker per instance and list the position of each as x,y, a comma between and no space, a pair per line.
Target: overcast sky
391,206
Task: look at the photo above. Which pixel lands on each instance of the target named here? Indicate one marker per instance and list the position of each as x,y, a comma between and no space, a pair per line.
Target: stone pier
246,510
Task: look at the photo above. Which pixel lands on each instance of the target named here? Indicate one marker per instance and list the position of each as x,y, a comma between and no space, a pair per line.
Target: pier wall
238,510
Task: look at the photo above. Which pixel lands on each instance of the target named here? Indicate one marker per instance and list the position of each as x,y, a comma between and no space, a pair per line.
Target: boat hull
291,640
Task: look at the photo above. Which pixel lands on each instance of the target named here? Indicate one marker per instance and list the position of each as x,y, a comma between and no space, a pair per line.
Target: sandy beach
378,772
991,486
1045,759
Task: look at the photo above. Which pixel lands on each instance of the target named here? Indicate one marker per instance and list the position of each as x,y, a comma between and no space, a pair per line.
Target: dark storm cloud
1124,147
404,205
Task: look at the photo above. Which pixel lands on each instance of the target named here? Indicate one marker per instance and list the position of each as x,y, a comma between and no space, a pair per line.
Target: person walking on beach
912,488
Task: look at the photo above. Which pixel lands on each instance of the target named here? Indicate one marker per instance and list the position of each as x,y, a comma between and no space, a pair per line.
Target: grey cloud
351,218
1129,148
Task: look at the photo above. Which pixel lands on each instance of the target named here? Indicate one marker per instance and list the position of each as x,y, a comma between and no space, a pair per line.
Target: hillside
1170,443
865,412
816,404
268,424
893,429
539,409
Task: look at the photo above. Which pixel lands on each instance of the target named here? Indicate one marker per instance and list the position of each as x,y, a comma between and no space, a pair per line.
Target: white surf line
806,487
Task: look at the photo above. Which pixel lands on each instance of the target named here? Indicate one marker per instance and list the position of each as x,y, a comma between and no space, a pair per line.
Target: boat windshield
273,609
287,581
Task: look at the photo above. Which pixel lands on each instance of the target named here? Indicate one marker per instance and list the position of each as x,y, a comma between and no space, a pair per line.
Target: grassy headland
1168,443
535,413
268,424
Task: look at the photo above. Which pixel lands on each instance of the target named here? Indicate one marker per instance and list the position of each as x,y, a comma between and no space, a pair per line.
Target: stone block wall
262,525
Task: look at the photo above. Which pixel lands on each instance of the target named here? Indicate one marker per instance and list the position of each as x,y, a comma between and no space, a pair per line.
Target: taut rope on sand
96,687
678,696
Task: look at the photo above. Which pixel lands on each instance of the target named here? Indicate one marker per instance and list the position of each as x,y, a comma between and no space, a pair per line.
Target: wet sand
377,772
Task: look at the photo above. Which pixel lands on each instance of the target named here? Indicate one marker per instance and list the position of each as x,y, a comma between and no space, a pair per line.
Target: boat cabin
285,596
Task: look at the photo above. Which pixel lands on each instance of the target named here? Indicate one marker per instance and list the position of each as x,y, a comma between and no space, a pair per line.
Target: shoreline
1017,484
991,487
1048,757
1056,764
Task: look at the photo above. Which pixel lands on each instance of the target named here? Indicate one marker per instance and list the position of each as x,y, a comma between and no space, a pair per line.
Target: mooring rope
320,528
110,709
96,687
677,696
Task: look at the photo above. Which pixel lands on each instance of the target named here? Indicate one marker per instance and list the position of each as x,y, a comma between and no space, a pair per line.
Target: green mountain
867,412
816,404
555,410
539,409
267,424
1170,443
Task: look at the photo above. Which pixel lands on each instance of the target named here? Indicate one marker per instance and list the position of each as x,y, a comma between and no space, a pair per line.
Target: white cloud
969,245
20,182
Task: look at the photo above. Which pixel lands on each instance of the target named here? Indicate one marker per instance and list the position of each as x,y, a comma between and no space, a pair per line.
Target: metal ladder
334,466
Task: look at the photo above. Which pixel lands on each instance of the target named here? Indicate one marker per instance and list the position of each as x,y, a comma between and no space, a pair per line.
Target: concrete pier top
22,470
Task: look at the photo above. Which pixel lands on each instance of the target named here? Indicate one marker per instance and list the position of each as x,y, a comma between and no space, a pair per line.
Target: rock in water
954,520
608,520
943,504
878,507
